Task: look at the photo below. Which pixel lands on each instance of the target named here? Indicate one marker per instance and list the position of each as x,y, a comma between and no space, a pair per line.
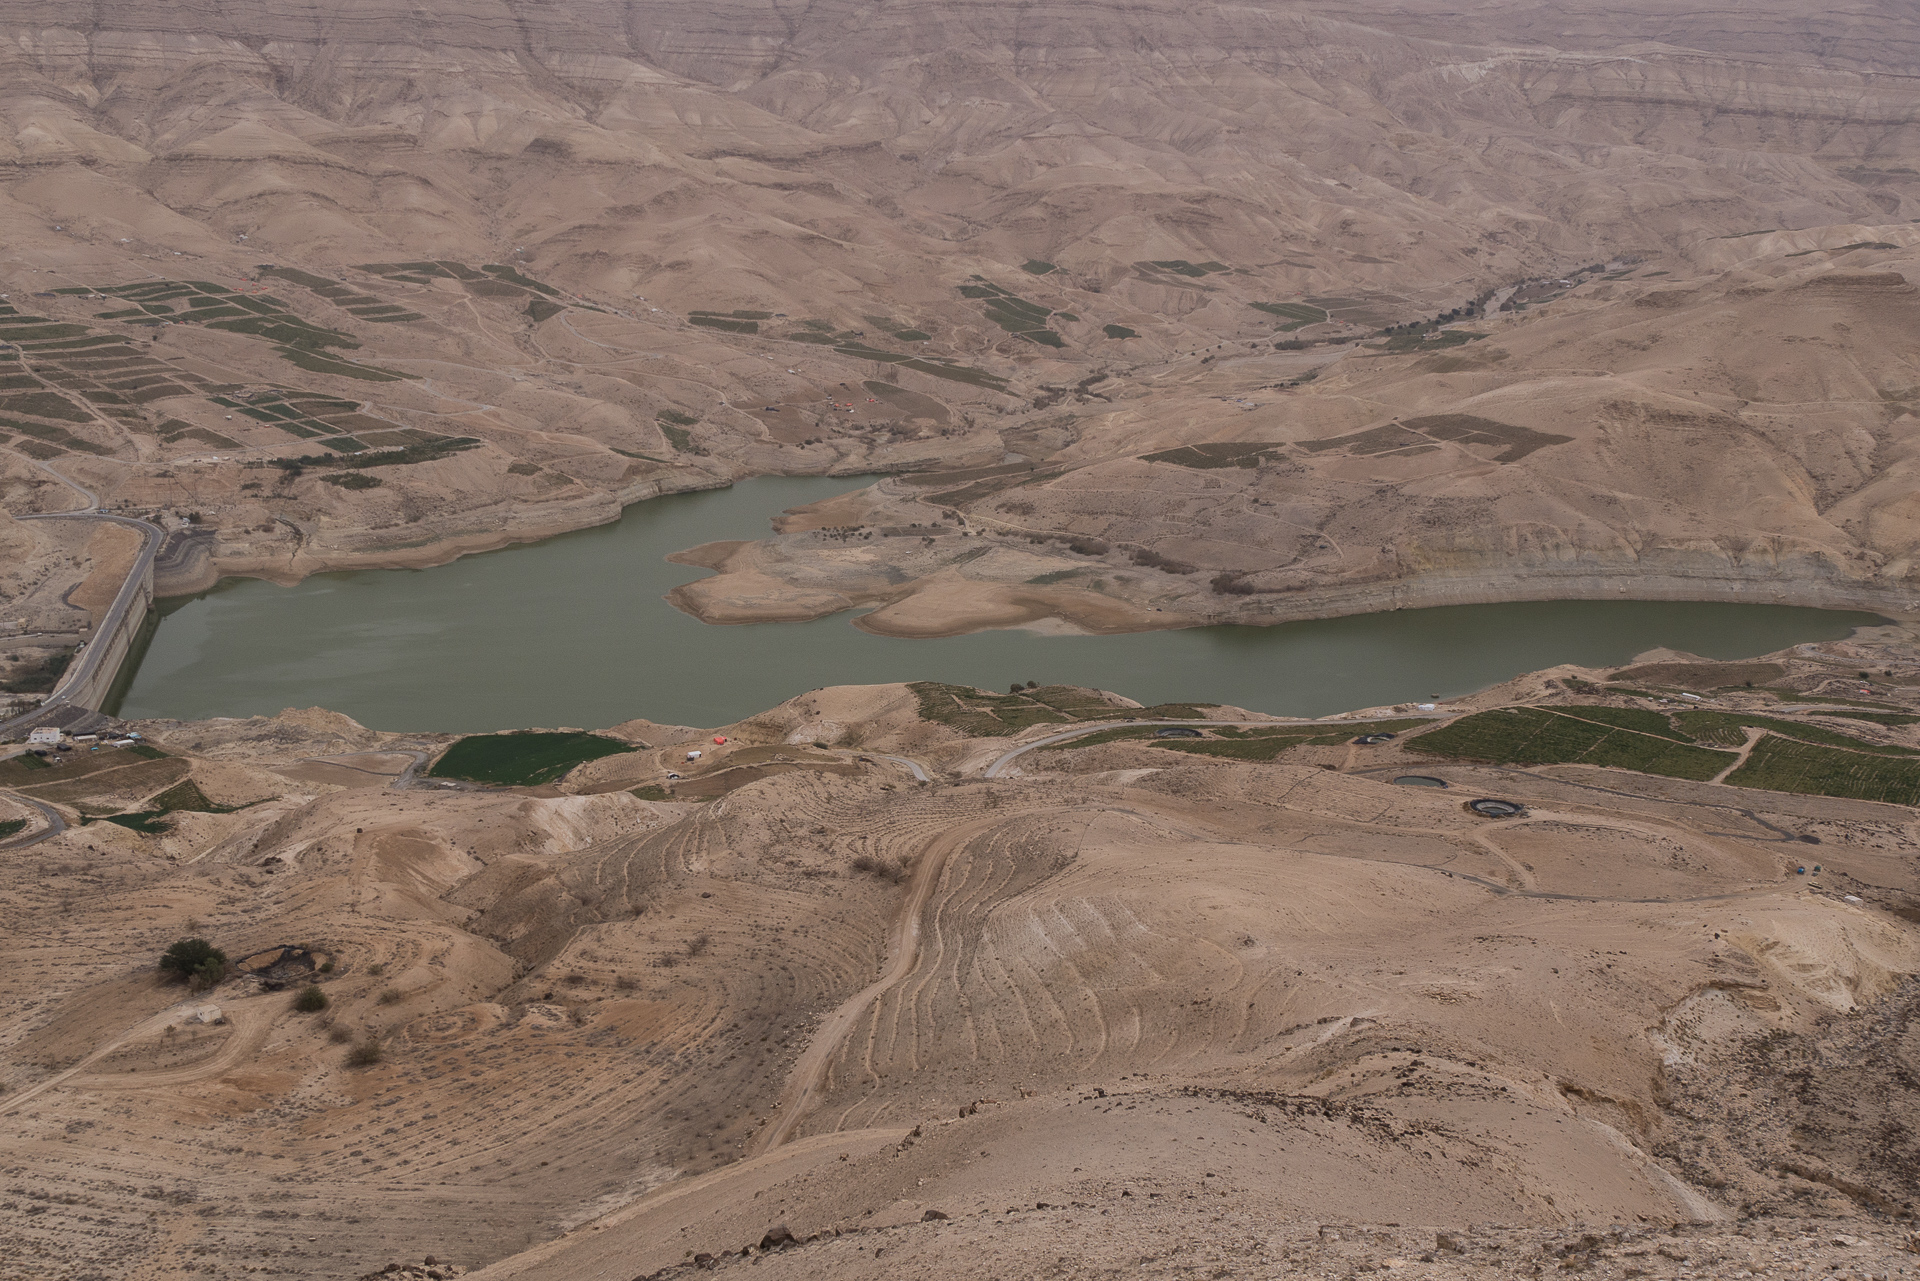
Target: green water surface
573,631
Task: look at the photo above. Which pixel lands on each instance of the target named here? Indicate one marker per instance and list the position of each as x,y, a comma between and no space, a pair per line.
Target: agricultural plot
21,770
328,421
1181,267
430,450
522,760
1298,315
183,797
985,715
1266,743
1206,456
362,306
737,323
111,784
1375,440
494,280
1515,443
1013,313
1428,339
1783,765
1726,729
43,441
57,377
259,315
988,486
1418,435
900,330
1617,738
937,366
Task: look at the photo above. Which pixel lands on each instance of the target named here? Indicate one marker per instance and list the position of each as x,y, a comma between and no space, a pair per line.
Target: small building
43,738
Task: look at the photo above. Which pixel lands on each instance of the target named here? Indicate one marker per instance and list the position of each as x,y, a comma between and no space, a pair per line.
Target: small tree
194,961
311,1000
365,1054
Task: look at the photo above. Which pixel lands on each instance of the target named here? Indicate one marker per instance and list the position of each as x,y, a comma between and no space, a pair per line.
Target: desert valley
1081,323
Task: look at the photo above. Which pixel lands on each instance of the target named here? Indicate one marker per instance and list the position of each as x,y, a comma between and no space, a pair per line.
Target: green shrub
353,480
365,1054
195,961
311,1000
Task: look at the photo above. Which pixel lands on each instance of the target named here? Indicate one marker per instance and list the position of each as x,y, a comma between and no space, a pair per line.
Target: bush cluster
194,961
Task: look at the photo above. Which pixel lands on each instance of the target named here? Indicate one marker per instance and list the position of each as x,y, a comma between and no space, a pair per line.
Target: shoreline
431,554
1004,607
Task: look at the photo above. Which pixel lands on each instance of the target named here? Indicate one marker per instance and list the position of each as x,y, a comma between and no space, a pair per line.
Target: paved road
407,775
1095,727
89,659
919,772
56,824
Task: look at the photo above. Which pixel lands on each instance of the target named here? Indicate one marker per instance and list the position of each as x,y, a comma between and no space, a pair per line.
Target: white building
43,738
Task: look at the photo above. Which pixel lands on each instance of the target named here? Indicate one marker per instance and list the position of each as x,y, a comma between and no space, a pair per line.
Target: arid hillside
912,976
364,288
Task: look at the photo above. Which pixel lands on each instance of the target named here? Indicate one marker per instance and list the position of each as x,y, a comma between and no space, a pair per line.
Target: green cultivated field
152,821
1790,757
1724,728
522,760
1618,738
1783,766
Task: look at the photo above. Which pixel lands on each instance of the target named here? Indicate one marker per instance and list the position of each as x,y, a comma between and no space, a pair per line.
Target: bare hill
1116,1002
519,267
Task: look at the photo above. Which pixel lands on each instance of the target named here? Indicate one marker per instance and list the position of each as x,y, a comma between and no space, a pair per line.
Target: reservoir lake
574,631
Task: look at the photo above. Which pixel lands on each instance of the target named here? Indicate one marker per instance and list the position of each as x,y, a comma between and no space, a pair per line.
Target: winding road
56,823
919,770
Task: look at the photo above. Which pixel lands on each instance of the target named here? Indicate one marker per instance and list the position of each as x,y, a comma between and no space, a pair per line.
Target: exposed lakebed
574,631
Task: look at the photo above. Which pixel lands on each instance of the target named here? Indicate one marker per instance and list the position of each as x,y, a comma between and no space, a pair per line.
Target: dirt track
903,952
